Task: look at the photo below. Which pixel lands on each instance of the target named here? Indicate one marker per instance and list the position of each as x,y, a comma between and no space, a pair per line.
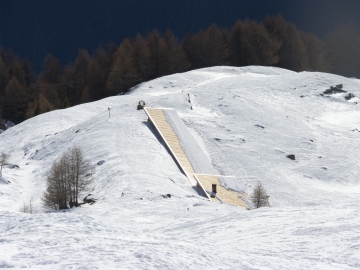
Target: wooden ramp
158,119
228,196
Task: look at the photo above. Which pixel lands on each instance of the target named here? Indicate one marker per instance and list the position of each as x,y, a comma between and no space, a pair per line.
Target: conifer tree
3,160
15,101
56,196
259,196
98,73
193,49
15,70
66,103
80,73
68,179
142,58
123,74
74,78
264,47
292,53
239,44
51,92
38,106
174,57
52,70
3,77
156,45
316,51
66,87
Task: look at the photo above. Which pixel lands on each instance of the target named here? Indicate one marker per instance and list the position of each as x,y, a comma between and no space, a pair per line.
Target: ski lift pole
109,111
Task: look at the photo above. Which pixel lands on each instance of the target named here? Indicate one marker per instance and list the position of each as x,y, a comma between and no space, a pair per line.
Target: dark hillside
61,27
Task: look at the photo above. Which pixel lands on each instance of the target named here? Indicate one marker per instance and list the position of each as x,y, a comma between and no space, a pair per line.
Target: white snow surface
231,183
198,159
246,120
3,181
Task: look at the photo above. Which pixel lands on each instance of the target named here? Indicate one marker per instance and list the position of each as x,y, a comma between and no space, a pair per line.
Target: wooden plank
176,145
171,140
185,163
202,187
228,196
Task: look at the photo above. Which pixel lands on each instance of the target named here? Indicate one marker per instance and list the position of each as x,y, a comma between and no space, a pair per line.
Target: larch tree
15,101
3,161
56,196
68,179
264,47
81,68
98,73
51,92
15,69
156,45
123,74
142,58
239,44
38,106
215,46
81,173
292,53
3,77
74,78
193,48
316,51
174,57
52,70
259,196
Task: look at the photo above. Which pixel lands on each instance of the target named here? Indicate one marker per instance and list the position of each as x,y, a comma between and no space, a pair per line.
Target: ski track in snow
246,120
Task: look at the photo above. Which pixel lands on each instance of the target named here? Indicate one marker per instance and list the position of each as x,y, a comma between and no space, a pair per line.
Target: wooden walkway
228,196
158,119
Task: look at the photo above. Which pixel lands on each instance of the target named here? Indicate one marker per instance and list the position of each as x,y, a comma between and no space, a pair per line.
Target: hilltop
247,120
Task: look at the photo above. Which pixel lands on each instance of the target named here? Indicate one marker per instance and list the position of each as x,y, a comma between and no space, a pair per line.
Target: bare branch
259,196
3,161
68,179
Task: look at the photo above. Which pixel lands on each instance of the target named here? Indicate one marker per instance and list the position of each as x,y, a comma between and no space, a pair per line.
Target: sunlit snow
247,120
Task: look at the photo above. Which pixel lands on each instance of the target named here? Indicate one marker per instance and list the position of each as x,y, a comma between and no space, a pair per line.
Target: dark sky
33,28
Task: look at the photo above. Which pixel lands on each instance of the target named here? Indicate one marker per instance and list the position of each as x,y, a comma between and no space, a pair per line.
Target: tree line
115,69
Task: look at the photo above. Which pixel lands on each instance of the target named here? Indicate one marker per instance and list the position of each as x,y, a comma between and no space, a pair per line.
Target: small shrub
27,207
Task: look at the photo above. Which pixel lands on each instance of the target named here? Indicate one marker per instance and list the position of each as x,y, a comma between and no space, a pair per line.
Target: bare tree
55,197
67,180
3,160
28,208
259,196
81,173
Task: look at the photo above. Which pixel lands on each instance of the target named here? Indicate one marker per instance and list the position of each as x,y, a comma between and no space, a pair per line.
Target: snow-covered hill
247,120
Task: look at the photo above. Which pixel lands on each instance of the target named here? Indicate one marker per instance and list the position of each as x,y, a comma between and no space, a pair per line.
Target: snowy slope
246,120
